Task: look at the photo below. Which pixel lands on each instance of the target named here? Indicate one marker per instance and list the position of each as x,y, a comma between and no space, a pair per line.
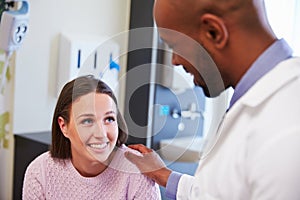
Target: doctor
256,154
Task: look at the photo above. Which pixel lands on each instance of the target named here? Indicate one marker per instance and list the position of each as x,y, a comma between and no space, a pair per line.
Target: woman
86,158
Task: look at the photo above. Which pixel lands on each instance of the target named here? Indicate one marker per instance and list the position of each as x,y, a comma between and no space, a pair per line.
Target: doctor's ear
63,126
215,30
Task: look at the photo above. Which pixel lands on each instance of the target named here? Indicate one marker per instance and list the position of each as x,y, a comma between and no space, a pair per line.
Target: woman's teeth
98,146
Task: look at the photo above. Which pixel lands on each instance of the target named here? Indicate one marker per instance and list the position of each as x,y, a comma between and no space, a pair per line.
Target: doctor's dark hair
61,146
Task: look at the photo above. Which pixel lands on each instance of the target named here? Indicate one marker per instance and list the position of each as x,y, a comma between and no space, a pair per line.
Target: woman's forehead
94,100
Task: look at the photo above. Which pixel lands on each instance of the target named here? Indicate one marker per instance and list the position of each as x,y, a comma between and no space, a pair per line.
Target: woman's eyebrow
92,115
110,112
85,115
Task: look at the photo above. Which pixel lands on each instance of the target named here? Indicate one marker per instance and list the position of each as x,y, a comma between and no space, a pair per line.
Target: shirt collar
276,53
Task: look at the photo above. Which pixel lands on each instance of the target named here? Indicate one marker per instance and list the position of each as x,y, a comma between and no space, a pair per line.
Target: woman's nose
100,131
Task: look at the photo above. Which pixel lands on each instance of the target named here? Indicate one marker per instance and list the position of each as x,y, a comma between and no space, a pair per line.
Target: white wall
36,62
284,18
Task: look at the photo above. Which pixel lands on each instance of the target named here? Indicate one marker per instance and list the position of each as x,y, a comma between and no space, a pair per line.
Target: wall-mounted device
81,54
175,77
13,24
14,16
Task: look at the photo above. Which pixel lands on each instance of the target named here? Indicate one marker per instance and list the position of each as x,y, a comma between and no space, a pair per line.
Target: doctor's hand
149,163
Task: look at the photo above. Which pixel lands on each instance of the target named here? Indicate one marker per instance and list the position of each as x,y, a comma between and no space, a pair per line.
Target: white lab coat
257,155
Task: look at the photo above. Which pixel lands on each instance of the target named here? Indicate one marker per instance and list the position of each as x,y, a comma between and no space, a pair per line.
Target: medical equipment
13,28
83,54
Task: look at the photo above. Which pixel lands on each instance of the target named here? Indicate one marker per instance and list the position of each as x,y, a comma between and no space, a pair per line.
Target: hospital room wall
36,63
285,21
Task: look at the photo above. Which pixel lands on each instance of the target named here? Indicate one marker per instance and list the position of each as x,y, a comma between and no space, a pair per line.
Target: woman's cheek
85,133
113,134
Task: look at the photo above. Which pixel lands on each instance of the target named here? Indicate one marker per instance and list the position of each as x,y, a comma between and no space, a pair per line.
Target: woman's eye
110,119
87,121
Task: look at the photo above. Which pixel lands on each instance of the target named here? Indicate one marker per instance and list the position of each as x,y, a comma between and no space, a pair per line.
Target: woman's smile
98,147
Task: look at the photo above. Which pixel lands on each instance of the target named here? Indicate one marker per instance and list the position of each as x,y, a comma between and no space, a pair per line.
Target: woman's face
93,127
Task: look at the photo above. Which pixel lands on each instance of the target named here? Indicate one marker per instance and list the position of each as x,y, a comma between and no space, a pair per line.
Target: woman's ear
215,30
63,126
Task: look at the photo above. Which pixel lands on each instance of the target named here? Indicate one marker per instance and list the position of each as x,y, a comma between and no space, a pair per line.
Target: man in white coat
256,155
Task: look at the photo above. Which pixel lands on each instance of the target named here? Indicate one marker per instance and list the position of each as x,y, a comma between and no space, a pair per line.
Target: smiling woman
86,159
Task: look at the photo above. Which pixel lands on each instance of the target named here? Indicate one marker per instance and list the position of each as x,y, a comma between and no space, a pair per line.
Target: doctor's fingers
140,147
146,162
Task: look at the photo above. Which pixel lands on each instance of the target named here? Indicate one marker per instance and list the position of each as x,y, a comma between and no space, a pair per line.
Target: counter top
183,149
42,137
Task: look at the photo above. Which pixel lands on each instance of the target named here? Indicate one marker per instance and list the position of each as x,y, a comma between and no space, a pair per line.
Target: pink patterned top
48,178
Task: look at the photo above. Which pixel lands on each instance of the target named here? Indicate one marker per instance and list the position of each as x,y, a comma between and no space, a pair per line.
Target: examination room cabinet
27,147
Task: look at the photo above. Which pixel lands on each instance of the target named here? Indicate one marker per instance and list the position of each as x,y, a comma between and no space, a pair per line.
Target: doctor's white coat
257,154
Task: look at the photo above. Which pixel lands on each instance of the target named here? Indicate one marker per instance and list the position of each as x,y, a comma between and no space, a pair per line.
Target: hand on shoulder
149,163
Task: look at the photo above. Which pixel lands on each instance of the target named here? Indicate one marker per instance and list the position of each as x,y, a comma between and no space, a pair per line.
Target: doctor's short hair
61,146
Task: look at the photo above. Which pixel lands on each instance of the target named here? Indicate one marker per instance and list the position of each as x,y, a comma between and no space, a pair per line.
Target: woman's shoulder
40,159
35,169
121,163
44,162
140,185
123,148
